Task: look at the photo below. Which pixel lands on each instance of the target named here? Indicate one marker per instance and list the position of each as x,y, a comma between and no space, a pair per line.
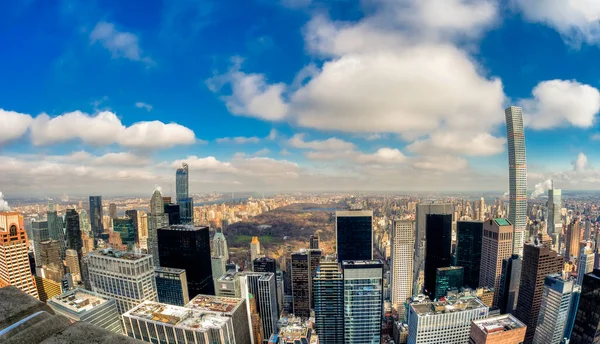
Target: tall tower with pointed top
157,219
517,170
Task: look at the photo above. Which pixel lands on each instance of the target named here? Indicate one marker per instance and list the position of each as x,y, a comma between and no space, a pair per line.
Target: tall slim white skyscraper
403,243
517,168
554,310
554,215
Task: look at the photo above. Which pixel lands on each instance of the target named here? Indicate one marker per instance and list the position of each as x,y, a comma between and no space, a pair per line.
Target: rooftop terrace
181,317
214,303
79,300
448,306
497,324
111,252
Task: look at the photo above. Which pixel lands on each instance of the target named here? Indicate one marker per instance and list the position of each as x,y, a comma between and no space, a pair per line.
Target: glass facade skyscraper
354,235
171,286
126,227
554,309
554,211
402,255
517,172
363,301
328,285
438,248
74,240
186,211
156,219
450,278
510,277
587,320
96,216
182,182
468,250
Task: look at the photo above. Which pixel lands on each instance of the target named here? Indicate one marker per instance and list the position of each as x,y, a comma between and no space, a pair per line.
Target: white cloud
238,140
262,152
582,176
477,144
14,125
105,128
578,21
443,163
558,103
335,144
3,204
382,156
581,163
120,43
142,105
272,135
209,163
595,137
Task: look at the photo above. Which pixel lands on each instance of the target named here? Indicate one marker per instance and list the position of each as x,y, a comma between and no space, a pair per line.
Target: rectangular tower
468,250
329,302
517,173
497,244
554,309
403,243
301,284
503,329
14,256
354,234
508,294
438,252
84,305
554,209
269,307
587,320
450,278
96,216
171,286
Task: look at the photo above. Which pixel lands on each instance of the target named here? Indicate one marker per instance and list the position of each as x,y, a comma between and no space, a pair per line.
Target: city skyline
244,120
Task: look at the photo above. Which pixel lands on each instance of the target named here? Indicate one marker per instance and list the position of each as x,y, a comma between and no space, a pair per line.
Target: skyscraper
587,320
74,241
269,310
133,214
156,219
329,302
468,250
438,228
265,264
126,228
554,310
363,301
538,261
72,260
96,216
497,244
402,255
218,267
301,284
173,212
420,239
171,286
554,209
51,262
55,228
186,211
509,284
585,263
449,278
14,257
220,246
354,235
503,329
314,241
517,168
254,249
182,182
587,231
233,308
40,233
573,235
112,210
188,248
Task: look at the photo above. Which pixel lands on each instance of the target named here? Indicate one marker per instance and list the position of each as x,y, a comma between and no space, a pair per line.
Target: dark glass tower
438,248
172,210
126,228
133,214
587,321
182,182
468,250
301,284
508,292
265,264
538,261
96,215
40,233
329,303
188,248
55,229
450,278
186,211
74,241
354,235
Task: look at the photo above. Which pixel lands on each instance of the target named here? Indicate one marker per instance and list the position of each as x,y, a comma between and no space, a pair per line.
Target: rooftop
111,252
229,276
187,228
358,212
458,305
360,262
78,300
171,270
181,317
218,304
294,330
502,323
502,222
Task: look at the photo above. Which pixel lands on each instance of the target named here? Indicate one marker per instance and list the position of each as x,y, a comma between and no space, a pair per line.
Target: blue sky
276,95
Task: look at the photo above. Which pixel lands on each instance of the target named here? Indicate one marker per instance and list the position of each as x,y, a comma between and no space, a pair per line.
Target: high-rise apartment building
171,286
447,322
420,240
587,231
508,294
72,260
538,261
554,310
497,244
188,247
554,211
585,263
468,250
517,168
14,258
354,235
572,240
438,250
449,278
328,285
84,305
363,301
587,320
112,210
127,277
402,255
156,219
96,216
84,222
503,329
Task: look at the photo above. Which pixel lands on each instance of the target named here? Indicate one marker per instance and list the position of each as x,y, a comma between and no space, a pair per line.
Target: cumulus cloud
576,21
297,141
14,125
142,105
121,44
238,140
582,176
3,204
558,103
581,163
477,144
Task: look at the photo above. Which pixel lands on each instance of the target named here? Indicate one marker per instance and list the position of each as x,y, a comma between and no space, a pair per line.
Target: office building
96,216
363,301
497,244
572,240
265,264
468,250
126,228
182,182
112,210
269,307
73,231
155,322
517,168
228,285
127,277
188,247
55,228
328,286
72,260
538,261
254,249
39,230
587,320
218,266
156,219
554,211
220,246
46,287
503,329
508,294
173,213
438,251
554,310
171,286
450,278
186,211
301,284
314,242
251,289
233,308
84,305
295,330
52,266
134,215
447,322
402,255
354,235
585,263
420,240
84,222
575,295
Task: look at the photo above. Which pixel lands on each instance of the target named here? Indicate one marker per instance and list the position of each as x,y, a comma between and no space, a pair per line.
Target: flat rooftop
293,330
502,222
111,252
350,213
441,307
229,276
361,262
186,228
168,270
502,323
181,317
79,300
211,303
